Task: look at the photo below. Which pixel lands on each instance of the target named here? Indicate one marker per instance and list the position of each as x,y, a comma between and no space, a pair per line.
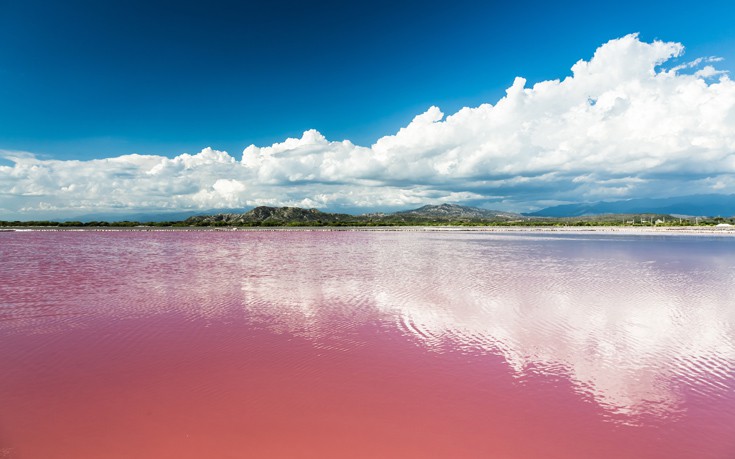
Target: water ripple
635,325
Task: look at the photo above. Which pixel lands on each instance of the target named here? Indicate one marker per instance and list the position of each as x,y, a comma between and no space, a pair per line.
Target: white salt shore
613,230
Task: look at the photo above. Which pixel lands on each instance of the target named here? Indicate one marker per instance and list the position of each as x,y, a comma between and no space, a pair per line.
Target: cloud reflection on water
635,323
631,323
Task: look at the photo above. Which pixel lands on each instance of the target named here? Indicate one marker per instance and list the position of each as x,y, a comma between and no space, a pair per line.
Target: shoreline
619,230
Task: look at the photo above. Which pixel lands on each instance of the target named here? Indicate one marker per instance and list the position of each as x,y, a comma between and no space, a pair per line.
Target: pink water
356,344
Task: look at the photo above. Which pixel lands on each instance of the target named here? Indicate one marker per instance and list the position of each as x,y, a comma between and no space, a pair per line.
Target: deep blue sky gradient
82,79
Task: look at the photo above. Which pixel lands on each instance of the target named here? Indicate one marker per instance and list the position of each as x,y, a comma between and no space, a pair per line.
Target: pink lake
311,344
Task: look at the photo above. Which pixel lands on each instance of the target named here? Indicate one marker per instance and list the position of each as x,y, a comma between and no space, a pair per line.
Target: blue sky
84,85
83,79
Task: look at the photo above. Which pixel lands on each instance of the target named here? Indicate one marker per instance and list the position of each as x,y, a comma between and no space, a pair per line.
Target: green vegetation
600,220
441,215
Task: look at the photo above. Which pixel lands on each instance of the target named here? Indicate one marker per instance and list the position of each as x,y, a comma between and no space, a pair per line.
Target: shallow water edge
626,230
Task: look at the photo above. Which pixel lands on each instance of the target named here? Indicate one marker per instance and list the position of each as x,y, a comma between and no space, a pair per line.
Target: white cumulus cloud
629,121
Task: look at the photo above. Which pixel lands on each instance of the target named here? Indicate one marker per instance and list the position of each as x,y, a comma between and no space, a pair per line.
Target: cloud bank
634,120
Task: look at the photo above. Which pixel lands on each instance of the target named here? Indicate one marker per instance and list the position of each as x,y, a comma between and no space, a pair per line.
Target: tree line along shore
429,215
599,221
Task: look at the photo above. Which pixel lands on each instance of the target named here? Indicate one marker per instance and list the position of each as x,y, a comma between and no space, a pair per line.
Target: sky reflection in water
641,327
628,321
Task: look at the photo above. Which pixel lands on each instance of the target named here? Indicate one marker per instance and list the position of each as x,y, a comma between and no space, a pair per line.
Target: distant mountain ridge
272,215
455,211
695,205
704,205
297,215
444,214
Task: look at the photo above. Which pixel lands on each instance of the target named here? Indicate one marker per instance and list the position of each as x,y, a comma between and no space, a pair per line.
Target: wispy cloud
621,125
